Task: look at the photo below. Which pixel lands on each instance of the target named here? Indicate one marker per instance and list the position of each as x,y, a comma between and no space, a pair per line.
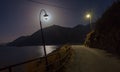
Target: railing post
10,69
59,59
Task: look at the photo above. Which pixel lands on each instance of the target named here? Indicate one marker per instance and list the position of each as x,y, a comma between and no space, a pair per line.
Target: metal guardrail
61,61
54,66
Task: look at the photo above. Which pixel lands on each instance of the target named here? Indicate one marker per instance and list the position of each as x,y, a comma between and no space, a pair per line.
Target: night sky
21,17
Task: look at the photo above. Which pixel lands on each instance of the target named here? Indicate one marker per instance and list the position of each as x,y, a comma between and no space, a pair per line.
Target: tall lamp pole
42,35
88,16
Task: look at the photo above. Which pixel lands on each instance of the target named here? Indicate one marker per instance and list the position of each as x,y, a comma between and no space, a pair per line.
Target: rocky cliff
106,34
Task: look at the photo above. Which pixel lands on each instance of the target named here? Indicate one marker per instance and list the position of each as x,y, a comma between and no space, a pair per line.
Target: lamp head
88,16
46,16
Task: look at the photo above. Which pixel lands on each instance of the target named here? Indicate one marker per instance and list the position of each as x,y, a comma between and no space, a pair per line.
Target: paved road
92,60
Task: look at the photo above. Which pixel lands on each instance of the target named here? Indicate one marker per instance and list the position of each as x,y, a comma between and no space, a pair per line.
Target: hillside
107,31
54,35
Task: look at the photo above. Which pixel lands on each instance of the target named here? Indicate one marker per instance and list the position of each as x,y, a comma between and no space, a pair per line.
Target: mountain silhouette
54,35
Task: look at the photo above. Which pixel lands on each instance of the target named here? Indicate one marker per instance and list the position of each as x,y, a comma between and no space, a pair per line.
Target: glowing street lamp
42,35
88,16
46,16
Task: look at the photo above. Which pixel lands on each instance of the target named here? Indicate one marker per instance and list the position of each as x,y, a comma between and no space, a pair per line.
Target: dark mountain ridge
54,35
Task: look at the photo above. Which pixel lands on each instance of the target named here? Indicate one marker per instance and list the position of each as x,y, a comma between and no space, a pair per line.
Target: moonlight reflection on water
14,55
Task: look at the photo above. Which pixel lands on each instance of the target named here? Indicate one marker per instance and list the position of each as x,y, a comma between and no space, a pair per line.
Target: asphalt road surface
86,59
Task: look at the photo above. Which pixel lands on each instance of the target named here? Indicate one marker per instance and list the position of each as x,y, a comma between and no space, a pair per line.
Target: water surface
13,55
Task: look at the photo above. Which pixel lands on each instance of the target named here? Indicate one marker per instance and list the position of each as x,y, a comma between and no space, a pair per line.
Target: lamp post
42,35
88,16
